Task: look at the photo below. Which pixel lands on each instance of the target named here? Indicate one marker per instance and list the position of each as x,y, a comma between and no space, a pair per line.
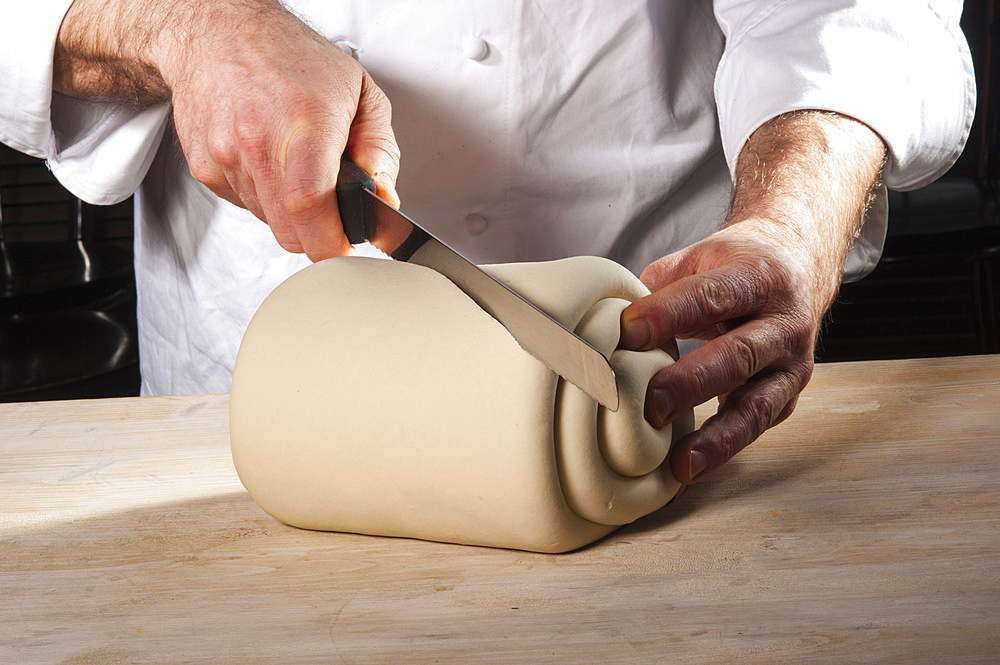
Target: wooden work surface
866,529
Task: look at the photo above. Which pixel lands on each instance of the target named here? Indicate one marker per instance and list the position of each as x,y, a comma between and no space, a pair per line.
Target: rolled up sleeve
902,68
99,151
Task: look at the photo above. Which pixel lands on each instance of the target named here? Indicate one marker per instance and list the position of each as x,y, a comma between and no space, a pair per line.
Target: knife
362,212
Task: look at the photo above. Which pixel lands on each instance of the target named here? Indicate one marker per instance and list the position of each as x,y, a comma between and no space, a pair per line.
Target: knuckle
307,117
299,102
251,136
203,171
733,441
697,382
386,144
743,355
784,414
221,148
714,297
689,385
772,281
376,100
373,94
801,327
801,373
759,412
798,335
721,438
774,270
786,387
305,201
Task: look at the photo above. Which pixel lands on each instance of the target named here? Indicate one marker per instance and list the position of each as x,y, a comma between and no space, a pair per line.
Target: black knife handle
357,214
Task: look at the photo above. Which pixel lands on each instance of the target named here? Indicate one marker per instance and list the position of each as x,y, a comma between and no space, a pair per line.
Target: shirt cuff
27,42
103,150
100,152
905,72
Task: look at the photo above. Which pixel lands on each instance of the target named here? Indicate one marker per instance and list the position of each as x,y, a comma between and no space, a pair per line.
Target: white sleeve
99,151
900,66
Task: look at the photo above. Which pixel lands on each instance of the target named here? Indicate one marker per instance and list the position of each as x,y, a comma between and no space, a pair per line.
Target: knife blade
363,213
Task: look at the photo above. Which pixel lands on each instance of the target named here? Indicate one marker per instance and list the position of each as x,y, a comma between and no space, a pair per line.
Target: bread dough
374,396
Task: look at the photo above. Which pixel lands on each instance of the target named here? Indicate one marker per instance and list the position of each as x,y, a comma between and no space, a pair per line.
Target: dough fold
375,397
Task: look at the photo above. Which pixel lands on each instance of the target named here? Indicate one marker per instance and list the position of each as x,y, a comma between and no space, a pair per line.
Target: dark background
67,295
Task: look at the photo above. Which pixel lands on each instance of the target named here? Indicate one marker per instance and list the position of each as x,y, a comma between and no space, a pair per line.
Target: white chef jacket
530,130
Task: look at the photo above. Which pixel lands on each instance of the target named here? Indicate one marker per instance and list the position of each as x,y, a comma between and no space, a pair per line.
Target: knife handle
357,214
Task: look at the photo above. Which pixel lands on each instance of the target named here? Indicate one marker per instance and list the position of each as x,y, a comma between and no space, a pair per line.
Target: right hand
264,107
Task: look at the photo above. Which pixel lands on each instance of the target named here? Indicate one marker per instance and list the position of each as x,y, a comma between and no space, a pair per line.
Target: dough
374,396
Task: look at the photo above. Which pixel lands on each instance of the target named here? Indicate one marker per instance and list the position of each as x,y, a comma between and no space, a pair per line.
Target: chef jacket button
475,224
475,48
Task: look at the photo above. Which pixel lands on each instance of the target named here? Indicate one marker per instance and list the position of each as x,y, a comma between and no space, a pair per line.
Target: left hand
757,289
755,300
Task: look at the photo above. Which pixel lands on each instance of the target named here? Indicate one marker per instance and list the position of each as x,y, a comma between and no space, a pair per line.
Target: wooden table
864,530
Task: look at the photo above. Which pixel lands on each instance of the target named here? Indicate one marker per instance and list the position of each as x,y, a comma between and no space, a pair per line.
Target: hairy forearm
105,50
263,106
132,51
807,178
757,289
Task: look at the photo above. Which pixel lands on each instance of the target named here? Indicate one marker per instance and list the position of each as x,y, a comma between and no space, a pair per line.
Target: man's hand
263,106
757,289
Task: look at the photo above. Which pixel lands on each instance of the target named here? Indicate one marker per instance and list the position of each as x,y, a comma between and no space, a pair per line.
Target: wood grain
866,529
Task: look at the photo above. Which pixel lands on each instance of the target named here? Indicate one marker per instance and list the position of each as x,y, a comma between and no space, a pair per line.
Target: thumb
640,328
666,270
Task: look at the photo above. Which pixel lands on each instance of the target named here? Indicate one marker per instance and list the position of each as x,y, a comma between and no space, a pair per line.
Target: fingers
264,124
372,144
748,411
706,289
303,203
691,307
311,161
751,299
723,365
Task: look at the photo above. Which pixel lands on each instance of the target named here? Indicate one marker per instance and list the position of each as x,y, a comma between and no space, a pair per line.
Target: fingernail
697,462
663,405
637,334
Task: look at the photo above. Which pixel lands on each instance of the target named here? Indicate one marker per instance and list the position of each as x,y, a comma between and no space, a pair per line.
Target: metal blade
565,353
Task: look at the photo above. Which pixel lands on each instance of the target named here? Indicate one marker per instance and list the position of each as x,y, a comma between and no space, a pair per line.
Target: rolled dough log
374,396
